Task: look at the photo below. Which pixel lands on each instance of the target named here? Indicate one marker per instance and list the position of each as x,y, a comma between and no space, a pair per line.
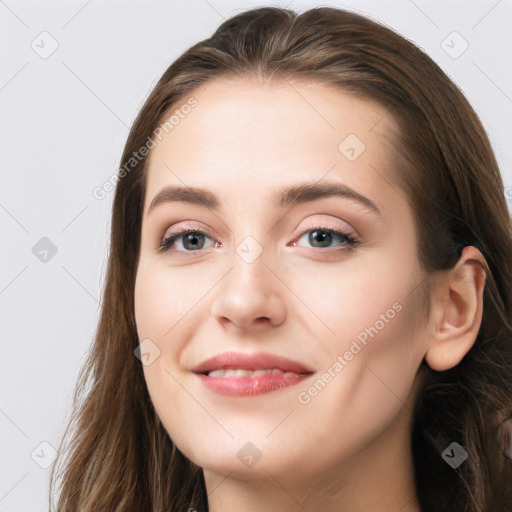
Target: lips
242,375
251,362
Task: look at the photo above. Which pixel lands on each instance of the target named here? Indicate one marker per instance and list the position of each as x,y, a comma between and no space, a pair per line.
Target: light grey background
64,121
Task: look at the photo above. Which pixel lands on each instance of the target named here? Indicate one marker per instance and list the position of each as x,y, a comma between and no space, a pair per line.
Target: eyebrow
288,196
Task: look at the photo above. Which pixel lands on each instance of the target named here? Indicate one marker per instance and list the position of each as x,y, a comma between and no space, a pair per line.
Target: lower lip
250,386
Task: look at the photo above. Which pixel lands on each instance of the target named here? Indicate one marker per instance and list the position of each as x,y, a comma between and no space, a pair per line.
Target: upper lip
256,361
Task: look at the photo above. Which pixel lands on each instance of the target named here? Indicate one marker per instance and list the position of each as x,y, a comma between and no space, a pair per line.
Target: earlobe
457,315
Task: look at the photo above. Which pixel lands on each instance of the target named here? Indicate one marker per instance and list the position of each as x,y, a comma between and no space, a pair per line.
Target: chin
242,460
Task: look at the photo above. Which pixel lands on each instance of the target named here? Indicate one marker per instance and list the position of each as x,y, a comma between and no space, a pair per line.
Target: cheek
167,307
370,372
162,299
161,308
371,316
357,294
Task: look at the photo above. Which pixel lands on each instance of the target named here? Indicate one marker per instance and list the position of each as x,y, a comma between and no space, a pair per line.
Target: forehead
260,133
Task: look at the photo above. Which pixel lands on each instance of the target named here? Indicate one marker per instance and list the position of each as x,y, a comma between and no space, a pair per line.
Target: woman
311,259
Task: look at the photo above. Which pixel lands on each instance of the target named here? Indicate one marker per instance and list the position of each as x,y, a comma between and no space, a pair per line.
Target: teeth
216,373
243,373
259,373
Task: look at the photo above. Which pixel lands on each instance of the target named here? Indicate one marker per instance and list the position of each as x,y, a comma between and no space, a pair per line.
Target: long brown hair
115,454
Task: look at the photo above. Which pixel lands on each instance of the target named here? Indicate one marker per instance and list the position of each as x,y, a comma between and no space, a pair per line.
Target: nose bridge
249,293
250,240
249,273
250,250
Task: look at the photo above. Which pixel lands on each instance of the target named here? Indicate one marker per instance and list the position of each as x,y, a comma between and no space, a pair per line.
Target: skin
348,447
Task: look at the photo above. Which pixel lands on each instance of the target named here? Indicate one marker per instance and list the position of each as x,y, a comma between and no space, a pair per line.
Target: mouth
238,374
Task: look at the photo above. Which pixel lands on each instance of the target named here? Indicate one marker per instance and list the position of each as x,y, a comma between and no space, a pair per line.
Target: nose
249,296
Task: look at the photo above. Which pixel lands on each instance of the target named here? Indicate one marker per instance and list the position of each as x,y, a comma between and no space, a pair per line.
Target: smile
238,374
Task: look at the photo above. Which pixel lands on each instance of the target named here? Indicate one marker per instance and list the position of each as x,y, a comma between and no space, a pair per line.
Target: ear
456,313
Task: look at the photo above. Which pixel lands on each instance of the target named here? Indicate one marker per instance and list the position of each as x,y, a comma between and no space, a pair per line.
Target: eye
190,240
322,237
193,240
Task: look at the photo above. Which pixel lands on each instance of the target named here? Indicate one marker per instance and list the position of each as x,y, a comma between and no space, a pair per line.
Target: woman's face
279,275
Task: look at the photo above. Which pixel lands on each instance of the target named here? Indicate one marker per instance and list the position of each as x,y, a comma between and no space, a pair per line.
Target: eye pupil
192,237
324,236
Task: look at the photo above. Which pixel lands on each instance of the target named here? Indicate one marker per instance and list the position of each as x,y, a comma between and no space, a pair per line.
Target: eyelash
349,241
